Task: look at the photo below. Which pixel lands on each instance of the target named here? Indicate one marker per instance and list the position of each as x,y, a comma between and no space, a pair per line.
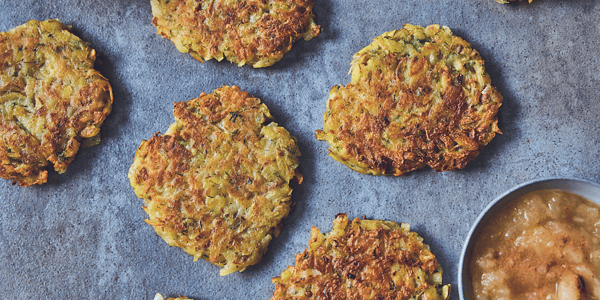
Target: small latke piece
418,96
509,1
160,297
52,100
253,32
217,182
363,259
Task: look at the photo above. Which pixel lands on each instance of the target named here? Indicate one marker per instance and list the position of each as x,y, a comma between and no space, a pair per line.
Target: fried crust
253,32
52,100
217,182
363,259
160,297
509,1
418,96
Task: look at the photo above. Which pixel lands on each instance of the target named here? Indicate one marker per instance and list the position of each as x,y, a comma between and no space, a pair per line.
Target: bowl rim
570,184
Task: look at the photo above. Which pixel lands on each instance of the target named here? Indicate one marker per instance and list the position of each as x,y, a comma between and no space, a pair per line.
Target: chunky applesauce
543,245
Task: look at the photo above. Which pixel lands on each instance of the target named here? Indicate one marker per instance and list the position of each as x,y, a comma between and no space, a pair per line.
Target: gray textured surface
83,234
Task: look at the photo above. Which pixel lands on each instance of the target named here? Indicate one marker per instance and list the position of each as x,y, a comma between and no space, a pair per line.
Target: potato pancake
253,32
160,297
52,100
509,1
363,259
418,96
217,182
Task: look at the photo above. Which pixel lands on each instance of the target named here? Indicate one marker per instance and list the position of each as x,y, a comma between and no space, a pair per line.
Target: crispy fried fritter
160,297
253,32
508,1
363,259
217,182
51,100
418,96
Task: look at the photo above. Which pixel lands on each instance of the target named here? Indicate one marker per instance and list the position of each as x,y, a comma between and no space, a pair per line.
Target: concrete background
83,234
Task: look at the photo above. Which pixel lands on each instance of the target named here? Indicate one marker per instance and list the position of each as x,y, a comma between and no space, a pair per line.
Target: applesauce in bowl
538,241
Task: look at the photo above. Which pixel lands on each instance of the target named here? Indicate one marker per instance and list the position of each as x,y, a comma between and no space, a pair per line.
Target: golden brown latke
363,259
418,96
508,1
160,297
51,100
253,32
217,182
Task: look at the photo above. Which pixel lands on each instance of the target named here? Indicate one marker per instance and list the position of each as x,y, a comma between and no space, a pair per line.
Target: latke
363,259
418,96
253,32
217,182
52,100
509,1
160,297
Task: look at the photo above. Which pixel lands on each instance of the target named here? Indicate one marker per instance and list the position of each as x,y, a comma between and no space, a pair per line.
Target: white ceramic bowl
587,189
